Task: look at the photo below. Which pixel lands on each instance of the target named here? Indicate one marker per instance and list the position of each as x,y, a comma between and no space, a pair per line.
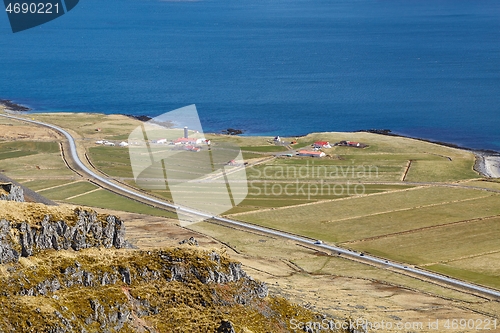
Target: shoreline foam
492,166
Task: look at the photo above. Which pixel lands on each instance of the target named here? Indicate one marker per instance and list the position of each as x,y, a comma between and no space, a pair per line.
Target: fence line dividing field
421,229
329,200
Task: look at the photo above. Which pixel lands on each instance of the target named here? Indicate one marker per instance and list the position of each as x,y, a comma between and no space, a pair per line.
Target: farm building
322,144
351,144
190,141
309,153
185,141
192,148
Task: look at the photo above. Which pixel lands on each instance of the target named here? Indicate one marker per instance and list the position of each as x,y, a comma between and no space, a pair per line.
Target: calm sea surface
425,68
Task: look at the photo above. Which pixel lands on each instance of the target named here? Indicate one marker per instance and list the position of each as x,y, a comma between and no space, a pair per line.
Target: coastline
10,106
487,161
487,165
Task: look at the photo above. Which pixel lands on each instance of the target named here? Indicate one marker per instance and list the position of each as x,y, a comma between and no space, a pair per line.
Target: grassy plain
433,245
493,184
361,206
41,184
113,161
420,220
479,268
109,200
112,127
67,191
338,286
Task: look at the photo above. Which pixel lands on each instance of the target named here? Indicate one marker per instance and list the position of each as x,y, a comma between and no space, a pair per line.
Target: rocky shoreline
487,165
10,106
487,161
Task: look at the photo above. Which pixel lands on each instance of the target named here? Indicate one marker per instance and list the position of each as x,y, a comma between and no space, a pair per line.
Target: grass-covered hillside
64,270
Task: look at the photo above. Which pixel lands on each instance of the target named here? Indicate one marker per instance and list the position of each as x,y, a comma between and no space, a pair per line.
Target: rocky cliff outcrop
11,192
85,231
75,277
129,291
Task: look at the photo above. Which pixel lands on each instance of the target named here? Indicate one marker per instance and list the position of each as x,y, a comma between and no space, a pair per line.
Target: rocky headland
66,269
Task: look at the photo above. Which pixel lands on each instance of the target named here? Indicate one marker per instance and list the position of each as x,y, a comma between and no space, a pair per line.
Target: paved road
334,249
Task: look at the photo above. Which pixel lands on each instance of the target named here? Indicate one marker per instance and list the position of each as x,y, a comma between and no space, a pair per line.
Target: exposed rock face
225,327
23,239
191,241
115,289
7,252
14,193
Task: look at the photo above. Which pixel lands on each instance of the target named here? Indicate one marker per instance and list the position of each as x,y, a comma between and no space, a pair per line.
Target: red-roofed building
192,148
185,141
310,153
322,144
353,144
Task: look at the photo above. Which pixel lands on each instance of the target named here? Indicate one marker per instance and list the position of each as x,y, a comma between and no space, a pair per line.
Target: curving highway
336,250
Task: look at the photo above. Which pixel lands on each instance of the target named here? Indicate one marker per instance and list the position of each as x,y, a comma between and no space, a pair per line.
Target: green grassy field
361,206
268,248
363,203
477,268
413,219
40,184
17,149
486,279
490,184
67,191
109,200
114,161
439,227
444,243
113,127
264,149
36,166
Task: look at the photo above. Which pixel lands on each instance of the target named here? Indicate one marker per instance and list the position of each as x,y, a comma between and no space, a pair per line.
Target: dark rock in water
140,117
13,106
14,193
378,131
232,131
226,327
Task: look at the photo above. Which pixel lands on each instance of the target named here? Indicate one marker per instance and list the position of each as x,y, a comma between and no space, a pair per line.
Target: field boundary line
479,219
410,208
79,195
56,186
332,200
407,169
461,258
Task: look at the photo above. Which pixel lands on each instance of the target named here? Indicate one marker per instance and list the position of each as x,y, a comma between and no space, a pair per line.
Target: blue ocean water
424,68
